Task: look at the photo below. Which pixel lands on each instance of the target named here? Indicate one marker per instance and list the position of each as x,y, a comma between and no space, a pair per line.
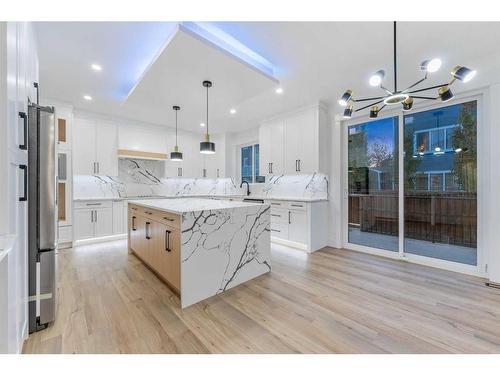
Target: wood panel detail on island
200,247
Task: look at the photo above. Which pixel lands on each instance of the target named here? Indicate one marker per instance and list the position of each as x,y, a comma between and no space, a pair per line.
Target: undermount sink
254,200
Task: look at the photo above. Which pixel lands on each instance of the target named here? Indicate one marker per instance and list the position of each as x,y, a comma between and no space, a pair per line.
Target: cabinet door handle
289,217
96,216
133,223
98,168
299,165
24,197
271,164
24,146
218,173
296,166
147,230
167,241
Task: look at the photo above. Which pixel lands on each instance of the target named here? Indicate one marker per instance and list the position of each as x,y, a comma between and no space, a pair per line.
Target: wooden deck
334,301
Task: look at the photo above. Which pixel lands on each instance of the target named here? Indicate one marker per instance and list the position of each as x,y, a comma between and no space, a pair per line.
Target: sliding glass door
437,204
440,189
373,184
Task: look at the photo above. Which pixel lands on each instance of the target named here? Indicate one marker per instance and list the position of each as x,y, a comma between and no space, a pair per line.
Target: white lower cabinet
118,220
93,219
299,224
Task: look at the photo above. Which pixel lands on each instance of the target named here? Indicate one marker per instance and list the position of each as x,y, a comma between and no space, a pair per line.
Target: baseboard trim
89,241
296,245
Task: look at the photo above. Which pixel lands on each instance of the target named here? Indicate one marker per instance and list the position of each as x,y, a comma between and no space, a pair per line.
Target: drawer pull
93,204
133,223
275,230
148,237
276,204
275,215
168,218
167,241
297,205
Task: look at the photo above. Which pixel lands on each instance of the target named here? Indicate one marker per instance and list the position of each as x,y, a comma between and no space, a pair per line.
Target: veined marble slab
222,248
223,243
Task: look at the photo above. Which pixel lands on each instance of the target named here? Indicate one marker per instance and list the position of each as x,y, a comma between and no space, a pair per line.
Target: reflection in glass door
440,183
373,184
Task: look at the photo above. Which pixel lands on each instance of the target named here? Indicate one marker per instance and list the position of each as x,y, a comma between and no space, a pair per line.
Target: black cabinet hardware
24,197
167,240
289,217
23,115
133,223
148,237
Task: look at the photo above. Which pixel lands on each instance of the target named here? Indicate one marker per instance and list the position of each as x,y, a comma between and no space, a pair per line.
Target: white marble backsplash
140,178
313,186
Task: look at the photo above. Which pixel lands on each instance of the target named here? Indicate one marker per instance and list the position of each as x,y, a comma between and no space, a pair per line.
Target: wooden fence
440,217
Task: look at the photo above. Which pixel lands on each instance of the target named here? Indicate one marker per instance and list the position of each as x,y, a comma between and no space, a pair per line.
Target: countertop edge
196,210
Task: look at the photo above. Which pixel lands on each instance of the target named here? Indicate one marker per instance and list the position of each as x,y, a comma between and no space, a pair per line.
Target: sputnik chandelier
406,96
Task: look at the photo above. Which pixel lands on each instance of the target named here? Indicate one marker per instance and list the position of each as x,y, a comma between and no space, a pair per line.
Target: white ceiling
314,61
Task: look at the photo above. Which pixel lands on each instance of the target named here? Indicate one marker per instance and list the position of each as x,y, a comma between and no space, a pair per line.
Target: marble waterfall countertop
182,205
222,243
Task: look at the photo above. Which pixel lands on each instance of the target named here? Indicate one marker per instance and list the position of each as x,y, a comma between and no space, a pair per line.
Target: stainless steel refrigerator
42,216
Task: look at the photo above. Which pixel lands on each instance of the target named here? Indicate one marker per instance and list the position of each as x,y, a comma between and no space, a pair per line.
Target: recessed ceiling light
202,124
279,90
96,67
232,111
87,97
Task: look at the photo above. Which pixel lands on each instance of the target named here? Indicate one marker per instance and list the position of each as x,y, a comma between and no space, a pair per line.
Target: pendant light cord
207,109
176,127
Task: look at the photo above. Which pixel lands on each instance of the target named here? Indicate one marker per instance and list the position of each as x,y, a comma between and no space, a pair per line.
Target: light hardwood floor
334,301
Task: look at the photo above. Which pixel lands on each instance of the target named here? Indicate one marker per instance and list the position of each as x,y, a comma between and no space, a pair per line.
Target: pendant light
176,155
207,147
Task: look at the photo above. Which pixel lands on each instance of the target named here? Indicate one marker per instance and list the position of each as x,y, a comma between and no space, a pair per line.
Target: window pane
422,142
373,185
256,164
441,213
246,164
437,137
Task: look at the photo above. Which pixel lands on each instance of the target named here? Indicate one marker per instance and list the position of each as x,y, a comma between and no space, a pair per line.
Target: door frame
482,163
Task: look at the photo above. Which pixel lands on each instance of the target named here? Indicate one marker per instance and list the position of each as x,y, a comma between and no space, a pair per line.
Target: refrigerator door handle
24,197
24,116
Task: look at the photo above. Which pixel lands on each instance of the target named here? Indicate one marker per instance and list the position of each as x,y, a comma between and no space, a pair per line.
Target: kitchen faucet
248,186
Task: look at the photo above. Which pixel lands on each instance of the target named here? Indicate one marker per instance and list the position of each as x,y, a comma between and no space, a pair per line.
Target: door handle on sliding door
24,197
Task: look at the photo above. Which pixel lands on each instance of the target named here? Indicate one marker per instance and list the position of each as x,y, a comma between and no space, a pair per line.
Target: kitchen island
200,247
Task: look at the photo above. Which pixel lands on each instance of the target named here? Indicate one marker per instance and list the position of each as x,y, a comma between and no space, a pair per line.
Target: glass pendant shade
176,155
207,147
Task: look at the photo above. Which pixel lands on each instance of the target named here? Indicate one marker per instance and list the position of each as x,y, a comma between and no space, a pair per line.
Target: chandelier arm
366,99
425,97
369,105
386,90
428,88
415,84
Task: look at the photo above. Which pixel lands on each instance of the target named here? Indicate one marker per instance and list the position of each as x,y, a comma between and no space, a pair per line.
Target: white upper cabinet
271,148
107,149
83,147
95,148
295,143
301,143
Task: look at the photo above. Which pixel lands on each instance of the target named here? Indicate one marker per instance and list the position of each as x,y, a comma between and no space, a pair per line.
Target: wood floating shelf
134,154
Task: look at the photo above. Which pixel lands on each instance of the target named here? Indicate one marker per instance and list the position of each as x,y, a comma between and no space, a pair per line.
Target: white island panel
222,248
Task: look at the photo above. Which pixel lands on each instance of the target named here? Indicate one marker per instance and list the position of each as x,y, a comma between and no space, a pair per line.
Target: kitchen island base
201,247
